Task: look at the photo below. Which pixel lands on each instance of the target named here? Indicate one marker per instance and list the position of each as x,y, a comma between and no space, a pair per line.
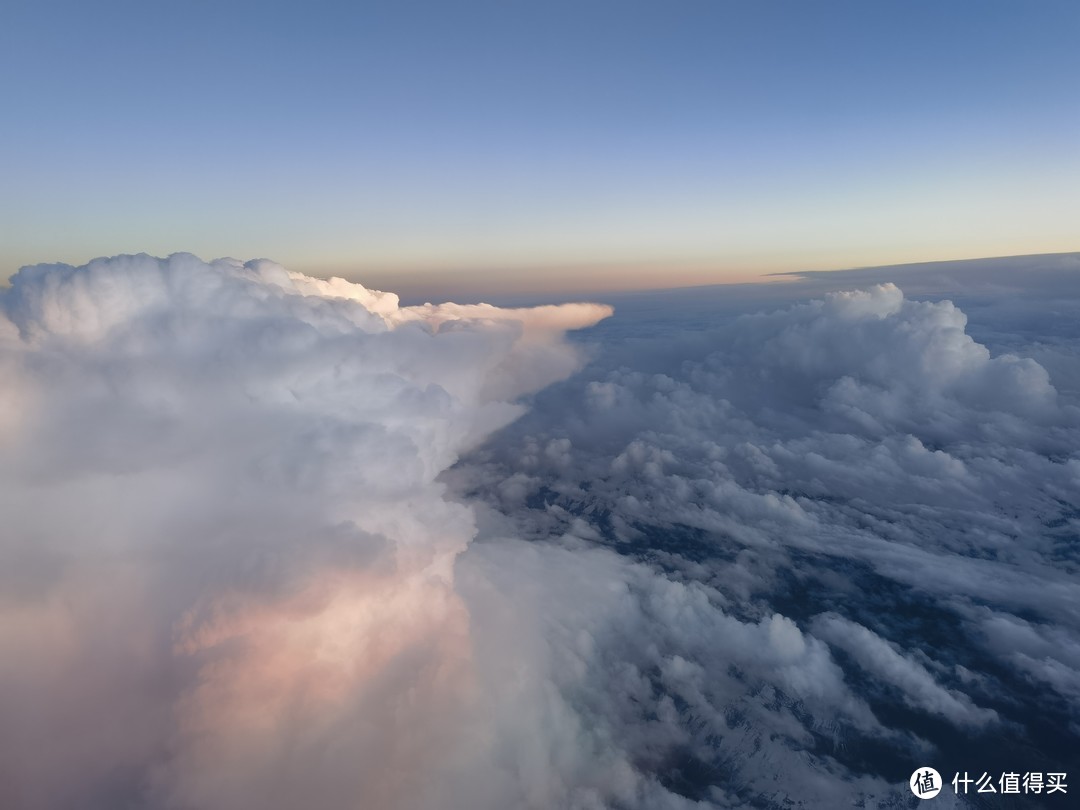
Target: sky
484,147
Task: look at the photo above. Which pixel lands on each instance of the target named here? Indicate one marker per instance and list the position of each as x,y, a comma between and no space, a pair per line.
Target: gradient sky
519,146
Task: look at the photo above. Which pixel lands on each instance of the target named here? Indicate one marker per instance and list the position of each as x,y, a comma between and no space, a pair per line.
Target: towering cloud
227,564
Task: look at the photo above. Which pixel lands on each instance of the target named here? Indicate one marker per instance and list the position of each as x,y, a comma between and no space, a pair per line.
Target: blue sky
512,145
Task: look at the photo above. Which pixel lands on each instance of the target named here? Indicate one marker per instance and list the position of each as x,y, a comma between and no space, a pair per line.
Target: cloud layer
278,541
881,513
